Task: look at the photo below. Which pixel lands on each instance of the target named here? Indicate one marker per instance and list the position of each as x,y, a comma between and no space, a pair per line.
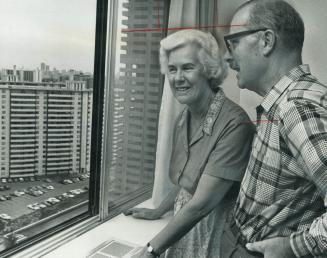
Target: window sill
121,227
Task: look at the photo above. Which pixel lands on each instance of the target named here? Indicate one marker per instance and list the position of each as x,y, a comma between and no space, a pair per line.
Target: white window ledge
121,227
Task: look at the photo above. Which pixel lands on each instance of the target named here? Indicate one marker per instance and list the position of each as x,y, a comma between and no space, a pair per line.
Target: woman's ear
269,41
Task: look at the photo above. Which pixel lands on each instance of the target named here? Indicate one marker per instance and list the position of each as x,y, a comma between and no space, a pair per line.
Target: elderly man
280,211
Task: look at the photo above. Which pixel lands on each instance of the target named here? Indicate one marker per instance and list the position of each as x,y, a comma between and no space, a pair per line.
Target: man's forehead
240,20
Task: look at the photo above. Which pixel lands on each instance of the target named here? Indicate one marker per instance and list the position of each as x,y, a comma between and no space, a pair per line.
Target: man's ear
269,42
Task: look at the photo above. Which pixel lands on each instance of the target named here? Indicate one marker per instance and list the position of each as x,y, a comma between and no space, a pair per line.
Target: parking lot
17,206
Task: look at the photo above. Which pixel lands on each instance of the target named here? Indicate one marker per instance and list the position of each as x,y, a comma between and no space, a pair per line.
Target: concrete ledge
121,227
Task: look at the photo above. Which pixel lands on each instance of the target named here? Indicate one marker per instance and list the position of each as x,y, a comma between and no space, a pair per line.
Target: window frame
101,142
45,242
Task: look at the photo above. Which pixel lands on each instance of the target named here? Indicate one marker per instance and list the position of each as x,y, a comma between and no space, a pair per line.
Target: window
134,103
53,111
46,80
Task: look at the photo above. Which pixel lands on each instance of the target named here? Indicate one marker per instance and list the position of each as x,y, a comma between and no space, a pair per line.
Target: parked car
47,203
75,179
2,188
49,187
42,205
7,187
48,180
73,192
2,198
53,200
34,206
39,192
83,177
67,181
68,195
8,197
77,191
19,238
5,216
35,192
19,193
60,198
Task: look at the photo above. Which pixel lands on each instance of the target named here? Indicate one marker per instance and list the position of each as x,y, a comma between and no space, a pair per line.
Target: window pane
135,98
46,87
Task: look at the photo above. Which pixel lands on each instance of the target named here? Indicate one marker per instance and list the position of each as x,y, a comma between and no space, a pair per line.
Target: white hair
215,68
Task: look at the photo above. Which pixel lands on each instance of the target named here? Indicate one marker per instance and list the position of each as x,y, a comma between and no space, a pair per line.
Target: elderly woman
211,146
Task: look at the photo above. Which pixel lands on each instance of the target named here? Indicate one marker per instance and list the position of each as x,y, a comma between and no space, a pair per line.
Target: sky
60,33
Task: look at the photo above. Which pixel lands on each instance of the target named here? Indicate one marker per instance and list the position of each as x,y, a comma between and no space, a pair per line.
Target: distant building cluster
45,122
44,74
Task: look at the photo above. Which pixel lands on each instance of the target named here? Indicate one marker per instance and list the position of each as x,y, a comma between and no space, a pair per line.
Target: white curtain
182,13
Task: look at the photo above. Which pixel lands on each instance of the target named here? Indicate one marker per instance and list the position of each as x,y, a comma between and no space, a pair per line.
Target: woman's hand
143,254
143,213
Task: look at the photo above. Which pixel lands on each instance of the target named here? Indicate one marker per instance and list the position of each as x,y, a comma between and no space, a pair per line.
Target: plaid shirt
285,184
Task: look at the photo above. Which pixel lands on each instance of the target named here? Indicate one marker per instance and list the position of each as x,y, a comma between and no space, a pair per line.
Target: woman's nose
179,75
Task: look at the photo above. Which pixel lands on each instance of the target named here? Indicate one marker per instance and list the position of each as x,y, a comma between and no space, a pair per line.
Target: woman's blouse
220,147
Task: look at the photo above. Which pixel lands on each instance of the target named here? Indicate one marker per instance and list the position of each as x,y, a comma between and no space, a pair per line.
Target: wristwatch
152,251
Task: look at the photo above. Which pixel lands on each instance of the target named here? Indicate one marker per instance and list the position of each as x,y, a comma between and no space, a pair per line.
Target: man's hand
279,247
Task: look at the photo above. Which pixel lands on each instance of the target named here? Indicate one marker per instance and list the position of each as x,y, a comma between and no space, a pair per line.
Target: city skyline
59,32
51,68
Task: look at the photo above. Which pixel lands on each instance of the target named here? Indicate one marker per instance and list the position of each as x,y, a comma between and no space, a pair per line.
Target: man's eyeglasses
229,38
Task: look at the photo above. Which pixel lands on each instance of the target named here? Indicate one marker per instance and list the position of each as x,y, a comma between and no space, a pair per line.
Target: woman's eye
171,70
188,68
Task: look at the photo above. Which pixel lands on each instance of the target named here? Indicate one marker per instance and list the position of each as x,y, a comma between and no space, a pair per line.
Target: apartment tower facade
45,128
136,97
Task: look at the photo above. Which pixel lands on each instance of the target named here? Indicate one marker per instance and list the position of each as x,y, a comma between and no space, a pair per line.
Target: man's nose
228,57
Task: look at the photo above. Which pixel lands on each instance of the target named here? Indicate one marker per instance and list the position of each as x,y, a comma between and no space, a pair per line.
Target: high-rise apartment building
136,97
45,128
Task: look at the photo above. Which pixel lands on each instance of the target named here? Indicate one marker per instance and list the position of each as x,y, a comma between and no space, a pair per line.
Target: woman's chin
185,100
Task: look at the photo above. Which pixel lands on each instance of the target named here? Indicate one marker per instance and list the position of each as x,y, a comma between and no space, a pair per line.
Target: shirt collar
212,114
279,88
